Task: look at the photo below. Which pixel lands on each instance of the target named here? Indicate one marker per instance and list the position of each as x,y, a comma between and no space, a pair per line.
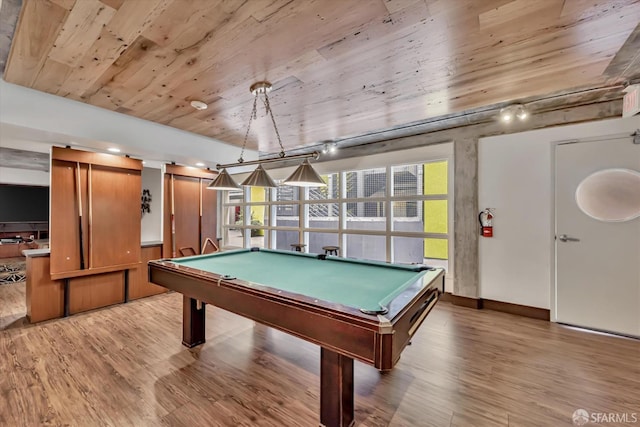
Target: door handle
565,238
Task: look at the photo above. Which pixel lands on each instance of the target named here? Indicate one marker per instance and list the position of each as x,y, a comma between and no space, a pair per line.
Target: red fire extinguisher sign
486,223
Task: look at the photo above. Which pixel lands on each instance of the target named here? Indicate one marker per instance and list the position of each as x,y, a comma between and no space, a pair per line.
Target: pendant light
304,176
223,182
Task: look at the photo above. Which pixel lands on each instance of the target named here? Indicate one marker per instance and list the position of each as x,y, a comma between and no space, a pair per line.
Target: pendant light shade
259,178
223,182
305,176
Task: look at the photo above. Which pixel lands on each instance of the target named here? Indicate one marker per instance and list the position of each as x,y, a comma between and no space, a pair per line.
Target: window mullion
389,214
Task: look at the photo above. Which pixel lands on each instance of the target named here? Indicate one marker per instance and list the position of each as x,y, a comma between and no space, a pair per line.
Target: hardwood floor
125,366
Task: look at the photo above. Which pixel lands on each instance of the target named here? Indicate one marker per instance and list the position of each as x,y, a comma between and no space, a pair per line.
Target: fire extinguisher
486,223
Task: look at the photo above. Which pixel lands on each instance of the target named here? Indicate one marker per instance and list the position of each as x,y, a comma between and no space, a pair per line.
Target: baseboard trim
520,310
461,301
504,307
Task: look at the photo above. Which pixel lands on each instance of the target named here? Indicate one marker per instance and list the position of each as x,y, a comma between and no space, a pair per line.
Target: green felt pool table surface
366,285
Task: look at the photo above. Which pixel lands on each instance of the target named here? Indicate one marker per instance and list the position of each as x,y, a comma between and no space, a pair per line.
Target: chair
298,246
331,250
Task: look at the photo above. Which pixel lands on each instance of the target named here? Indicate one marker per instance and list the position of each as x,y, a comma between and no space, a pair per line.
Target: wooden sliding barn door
190,210
115,216
95,213
187,213
65,215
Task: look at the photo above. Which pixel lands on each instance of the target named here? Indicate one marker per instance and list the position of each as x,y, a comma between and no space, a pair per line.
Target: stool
331,250
297,246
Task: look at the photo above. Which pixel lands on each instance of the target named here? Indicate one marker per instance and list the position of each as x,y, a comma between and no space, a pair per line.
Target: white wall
151,227
23,177
515,176
98,128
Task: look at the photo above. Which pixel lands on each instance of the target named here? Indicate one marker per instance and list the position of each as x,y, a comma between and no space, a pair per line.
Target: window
393,213
324,211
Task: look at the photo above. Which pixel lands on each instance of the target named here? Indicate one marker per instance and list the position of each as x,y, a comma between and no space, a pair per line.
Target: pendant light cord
267,107
253,116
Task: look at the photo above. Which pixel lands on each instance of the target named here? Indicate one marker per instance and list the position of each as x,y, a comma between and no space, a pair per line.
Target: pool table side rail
346,330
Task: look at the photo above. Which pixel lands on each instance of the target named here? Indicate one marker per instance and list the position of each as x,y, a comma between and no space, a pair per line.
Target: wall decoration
146,201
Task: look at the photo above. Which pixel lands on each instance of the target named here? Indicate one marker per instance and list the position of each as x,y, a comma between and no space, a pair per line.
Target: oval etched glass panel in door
610,195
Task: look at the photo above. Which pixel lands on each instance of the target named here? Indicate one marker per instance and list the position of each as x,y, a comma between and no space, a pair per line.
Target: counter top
34,253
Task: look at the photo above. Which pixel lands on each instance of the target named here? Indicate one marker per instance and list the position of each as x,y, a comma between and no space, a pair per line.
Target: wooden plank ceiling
339,67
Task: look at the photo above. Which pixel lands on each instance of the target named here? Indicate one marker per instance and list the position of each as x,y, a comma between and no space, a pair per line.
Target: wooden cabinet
95,256
95,213
95,291
190,211
139,285
45,296
11,250
65,215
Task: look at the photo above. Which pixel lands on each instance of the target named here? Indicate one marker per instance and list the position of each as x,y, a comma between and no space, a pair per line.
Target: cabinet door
194,208
187,211
115,216
209,212
65,217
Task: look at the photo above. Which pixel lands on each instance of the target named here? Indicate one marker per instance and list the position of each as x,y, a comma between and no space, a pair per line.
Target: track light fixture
303,176
512,112
329,147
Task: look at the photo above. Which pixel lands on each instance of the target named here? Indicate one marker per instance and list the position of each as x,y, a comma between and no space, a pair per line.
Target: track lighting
511,112
329,147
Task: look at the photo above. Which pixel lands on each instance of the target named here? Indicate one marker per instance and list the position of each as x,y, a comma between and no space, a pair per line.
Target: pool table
353,309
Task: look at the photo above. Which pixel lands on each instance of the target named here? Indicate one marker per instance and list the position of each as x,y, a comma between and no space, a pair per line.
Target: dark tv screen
21,203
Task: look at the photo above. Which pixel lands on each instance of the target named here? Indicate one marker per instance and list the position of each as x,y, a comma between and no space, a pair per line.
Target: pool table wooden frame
343,333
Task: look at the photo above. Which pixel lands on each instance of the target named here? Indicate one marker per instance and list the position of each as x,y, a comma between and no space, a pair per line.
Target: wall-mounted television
22,203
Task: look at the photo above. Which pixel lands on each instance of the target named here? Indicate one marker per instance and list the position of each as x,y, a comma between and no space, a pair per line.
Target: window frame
303,229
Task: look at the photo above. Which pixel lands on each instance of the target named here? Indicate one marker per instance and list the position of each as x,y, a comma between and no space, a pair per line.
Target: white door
597,262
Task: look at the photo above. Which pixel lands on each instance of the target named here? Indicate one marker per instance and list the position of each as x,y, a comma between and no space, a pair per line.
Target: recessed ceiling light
199,105
114,150
200,164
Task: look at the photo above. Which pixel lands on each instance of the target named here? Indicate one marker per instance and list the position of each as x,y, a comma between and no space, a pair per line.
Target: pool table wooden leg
336,389
193,315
